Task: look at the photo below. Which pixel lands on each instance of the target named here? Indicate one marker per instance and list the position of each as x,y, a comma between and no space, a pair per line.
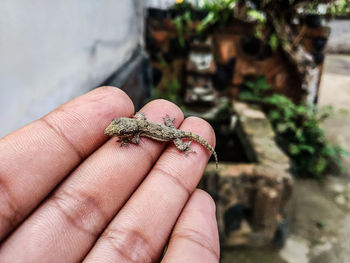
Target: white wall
160,3
164,4
339,39
52,51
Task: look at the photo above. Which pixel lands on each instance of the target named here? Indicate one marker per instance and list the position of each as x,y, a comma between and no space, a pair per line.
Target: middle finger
140,230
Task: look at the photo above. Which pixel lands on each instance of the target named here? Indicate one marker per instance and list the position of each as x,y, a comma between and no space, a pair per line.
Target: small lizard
129,130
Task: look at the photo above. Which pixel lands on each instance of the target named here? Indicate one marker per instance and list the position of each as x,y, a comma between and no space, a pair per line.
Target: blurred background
272,77
52,52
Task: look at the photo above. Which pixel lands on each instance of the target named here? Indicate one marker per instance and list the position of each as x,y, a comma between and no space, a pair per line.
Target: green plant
210,19
260,20
274,41
339,7
219,12
182,24
170,92
334,7
298,130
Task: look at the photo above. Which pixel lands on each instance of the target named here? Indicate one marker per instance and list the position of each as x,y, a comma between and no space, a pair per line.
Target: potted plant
157,13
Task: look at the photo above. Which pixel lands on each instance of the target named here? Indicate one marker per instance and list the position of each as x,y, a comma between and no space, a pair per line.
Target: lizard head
121,127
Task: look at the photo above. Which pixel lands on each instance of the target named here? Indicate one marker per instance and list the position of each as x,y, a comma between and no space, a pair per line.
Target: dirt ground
319,212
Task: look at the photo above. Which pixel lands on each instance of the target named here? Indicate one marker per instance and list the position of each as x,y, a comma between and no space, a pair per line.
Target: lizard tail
203,142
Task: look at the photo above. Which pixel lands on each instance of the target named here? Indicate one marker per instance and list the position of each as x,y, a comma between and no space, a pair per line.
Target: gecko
129,130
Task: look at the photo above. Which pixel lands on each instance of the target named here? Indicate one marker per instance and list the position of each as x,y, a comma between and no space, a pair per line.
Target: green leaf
187,17
249,84
307,148
262,84
321,165
257,15
274,115
299,134
294,149
180,31
274,42
248,96
208,20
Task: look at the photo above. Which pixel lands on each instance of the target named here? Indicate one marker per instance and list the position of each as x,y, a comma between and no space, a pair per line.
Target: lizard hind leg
169,122
183,146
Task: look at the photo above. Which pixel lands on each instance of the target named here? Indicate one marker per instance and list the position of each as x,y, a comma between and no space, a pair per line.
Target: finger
139,232
70,221
35,158
195,237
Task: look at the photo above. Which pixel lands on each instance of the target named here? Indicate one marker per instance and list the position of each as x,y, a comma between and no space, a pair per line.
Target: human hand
67,194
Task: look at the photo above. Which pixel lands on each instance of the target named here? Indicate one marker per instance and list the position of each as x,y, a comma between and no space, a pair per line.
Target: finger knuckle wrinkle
197,238
9,214
174,177
130,245
58,131
80,210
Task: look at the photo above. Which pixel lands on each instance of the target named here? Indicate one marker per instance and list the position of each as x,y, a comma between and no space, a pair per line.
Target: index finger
35,158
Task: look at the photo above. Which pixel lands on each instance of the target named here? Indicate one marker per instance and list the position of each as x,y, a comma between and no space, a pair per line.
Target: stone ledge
250,198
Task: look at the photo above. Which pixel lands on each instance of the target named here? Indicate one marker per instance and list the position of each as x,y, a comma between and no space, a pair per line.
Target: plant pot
313,21
157,13
175,13
199,14
223,75
318,58
265,53
319,43
176,49
233,217
168,57
180,9
251,46
199,37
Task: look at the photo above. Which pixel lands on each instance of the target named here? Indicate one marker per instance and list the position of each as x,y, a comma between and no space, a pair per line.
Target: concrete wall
160,3
339,39
52,51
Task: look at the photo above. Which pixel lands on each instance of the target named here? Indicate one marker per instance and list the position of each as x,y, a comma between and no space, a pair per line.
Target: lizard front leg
140,116
124,141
